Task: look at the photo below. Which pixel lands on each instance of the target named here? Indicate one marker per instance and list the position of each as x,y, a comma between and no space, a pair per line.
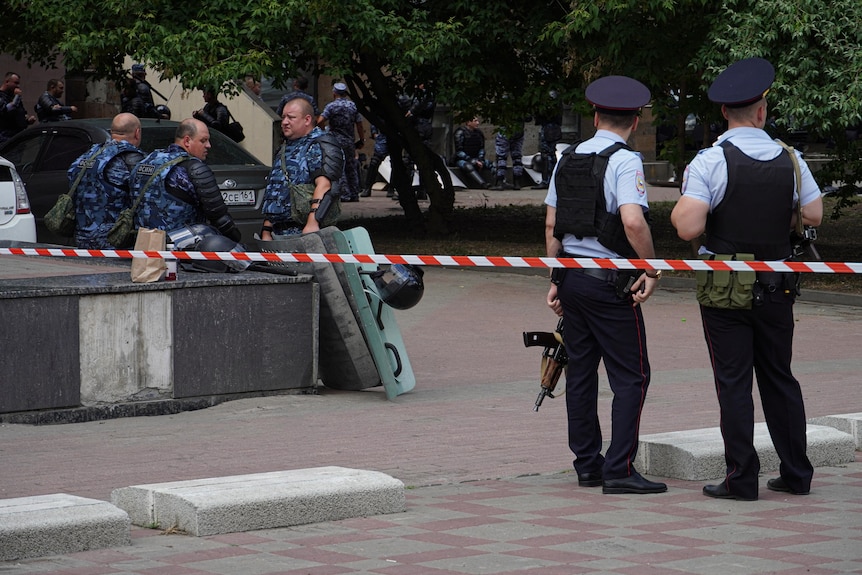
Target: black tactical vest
581,206
754,215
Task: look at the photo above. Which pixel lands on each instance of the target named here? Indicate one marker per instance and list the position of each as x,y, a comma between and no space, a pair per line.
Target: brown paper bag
146,270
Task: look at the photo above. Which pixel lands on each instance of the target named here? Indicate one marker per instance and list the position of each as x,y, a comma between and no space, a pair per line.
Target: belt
601,274
604,275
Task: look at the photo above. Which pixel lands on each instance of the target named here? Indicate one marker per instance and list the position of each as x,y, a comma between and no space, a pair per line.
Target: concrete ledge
58,524
698,454
261,501
848,423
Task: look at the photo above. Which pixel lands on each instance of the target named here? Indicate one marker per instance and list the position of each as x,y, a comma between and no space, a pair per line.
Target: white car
16,221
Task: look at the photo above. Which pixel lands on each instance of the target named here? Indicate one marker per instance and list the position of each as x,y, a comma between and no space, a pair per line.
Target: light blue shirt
705,177
624,184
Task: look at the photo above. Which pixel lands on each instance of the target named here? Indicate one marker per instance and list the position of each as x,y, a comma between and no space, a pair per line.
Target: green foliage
493,59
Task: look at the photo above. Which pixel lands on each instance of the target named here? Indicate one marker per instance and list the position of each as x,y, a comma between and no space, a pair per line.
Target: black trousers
758,341
598,325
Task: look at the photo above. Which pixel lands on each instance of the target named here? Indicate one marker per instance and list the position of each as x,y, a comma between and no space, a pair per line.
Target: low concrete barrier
57,524
850,423
261,501
698,454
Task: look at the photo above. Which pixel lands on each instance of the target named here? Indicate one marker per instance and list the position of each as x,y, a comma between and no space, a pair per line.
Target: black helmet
400,286
219,243
205,238
164,112
188,237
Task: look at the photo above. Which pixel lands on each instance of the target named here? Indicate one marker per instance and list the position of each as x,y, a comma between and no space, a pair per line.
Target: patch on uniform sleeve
684,181
640,181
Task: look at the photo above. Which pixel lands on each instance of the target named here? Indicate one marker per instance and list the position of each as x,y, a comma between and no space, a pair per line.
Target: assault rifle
554,359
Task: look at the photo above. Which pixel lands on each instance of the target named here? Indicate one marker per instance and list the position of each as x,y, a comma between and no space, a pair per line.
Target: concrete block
261,501
698,454
850,423
58,524
129,357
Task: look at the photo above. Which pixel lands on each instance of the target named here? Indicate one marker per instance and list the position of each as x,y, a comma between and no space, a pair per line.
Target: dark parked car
43,153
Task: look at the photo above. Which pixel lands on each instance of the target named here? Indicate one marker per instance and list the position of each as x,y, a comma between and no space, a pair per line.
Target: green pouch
123,233
61,218
726,289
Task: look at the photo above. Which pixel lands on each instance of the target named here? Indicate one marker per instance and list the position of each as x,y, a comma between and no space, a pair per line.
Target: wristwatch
657,275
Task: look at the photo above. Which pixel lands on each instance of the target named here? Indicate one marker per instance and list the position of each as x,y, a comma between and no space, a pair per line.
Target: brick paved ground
490,487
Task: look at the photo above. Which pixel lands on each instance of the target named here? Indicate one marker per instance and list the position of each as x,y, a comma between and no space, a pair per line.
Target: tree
678,47
816,48
472,54
653,41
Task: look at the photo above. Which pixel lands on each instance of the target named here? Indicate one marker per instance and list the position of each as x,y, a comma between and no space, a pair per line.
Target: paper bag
146,270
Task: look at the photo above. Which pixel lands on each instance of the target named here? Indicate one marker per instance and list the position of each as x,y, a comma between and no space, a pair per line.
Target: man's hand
643,288
553,301
311,225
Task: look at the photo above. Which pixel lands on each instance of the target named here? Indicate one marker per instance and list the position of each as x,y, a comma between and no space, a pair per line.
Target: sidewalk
490,488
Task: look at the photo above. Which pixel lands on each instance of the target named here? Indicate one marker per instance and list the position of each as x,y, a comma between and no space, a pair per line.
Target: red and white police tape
459,261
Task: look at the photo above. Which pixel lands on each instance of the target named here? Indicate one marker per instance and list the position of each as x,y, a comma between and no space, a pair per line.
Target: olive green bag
300,205
62,219
726,289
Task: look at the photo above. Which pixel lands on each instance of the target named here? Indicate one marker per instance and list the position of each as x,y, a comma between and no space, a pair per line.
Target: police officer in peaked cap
743,193
596,208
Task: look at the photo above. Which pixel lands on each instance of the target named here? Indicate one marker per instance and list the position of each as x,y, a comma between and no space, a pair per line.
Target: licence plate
238,197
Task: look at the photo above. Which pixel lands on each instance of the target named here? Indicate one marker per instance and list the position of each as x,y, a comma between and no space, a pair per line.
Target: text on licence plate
238,197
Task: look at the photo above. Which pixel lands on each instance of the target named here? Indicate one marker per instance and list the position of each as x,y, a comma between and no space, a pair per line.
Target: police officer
178,189
381,150
145,91
470,151
214,114
744,194
509,141
49,108
300,90
344,118
308,156
103,189
13,117
602,320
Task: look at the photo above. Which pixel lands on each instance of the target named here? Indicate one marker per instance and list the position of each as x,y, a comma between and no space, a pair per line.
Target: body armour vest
98,201
754,215
299,163
470,142
159,209
581,206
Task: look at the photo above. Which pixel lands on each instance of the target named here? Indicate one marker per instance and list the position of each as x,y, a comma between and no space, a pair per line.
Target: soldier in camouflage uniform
300,90
381,150
103,190
343,118
178,188
509,140
308,156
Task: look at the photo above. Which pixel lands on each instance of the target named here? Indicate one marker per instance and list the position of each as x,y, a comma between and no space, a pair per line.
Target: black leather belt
601,274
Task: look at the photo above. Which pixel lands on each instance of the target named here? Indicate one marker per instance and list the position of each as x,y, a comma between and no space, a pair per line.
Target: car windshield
224,151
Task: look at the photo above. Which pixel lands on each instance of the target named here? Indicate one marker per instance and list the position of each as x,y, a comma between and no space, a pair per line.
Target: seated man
100,178
470,151
177,188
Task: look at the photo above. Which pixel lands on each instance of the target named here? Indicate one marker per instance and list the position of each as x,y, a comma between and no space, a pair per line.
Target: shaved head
126,127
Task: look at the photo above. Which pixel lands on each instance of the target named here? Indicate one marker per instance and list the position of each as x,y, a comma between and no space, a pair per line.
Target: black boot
499,183
373,166
476,177
516,182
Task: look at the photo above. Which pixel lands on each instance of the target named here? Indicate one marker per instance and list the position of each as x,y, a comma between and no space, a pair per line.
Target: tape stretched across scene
459,261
